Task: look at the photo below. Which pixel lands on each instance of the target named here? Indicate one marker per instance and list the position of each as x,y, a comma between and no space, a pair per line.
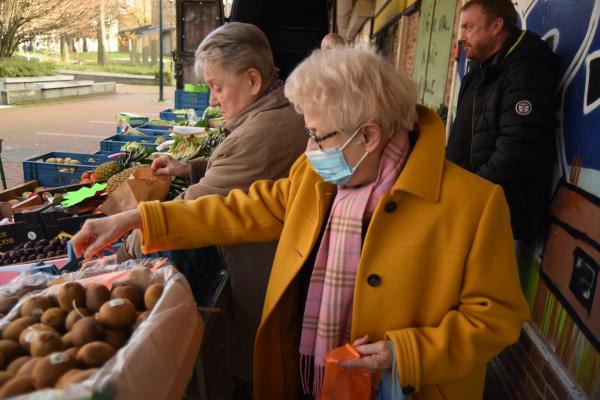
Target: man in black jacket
504,129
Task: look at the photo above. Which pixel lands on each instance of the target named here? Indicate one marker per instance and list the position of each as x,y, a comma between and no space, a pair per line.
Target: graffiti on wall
566,302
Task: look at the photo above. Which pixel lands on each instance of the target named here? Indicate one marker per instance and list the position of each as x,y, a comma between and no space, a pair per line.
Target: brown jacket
264,141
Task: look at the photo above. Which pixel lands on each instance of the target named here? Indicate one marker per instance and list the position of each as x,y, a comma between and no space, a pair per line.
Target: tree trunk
72,45
64,48
101,36
85,47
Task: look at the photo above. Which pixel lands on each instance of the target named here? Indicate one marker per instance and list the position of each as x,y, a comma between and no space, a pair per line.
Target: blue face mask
331,164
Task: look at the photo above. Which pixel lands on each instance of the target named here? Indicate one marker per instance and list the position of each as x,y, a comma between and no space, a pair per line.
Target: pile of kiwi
56,341
34,250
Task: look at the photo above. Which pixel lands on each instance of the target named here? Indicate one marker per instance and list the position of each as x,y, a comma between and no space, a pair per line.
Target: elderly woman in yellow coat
382,242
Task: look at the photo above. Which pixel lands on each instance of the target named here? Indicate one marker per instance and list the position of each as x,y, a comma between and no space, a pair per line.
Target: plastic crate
152,132
157,127
113,144
169,115
52,174
196,100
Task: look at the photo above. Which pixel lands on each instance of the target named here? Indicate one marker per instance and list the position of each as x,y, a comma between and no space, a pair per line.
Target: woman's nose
213,100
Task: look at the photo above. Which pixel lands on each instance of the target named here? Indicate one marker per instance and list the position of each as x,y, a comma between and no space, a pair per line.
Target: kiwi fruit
55,317
117,314
27,368
128,292
7,303
152,294
76,315
17,385
86,330
74,376
35,307
72,352
5,376
116,338
96,295
17,363
141,318
45,343
50,368
95,354
10,350
71,293
67,340
31,332
14,329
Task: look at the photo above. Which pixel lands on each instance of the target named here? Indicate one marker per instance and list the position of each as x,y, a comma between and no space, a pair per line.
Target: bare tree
23,20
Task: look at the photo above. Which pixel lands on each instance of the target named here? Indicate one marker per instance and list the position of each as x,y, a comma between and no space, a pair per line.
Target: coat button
390,207
408,390
374,280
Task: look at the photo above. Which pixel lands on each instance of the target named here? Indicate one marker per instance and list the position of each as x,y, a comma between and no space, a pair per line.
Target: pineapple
104,171
116,180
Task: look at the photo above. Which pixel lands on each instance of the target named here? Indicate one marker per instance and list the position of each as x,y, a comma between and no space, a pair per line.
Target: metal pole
160,47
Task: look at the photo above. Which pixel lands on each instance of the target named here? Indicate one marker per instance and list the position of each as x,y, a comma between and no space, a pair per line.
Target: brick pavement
75,125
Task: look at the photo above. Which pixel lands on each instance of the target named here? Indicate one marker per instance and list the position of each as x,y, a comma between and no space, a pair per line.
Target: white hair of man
236,47
353,86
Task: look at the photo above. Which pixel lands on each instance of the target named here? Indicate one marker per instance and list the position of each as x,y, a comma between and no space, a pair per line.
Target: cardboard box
15,234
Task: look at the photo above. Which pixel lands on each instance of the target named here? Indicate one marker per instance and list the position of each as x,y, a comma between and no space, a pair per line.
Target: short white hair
236,47
351,87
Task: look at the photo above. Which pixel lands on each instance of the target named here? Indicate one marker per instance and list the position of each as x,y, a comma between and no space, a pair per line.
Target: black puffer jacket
511,138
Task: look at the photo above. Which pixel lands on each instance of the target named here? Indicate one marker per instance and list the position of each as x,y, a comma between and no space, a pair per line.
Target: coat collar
422,174
273,100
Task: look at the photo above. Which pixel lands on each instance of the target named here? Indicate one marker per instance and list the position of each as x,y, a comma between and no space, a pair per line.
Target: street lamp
160,50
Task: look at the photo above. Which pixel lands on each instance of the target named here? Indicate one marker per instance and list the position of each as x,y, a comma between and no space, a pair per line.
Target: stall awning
388,11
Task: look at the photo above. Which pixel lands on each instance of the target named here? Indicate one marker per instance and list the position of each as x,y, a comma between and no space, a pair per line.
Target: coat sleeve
487,316
256,216
527,123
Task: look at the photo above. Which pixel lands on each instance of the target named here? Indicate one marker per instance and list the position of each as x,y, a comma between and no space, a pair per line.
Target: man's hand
375,356
99,233
167,165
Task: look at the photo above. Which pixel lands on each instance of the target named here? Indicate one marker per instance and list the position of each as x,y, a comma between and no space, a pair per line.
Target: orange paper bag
345,383
142,185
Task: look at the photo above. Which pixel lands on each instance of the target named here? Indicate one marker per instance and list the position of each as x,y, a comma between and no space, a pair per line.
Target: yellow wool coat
437,274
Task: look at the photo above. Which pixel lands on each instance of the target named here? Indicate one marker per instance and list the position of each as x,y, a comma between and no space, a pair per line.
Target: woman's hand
167,165
375,356
97,234
97,262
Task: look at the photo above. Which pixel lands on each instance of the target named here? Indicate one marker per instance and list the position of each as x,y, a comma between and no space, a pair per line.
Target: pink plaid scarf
328,309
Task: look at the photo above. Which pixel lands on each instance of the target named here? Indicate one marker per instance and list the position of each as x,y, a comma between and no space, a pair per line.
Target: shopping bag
142,185
345,383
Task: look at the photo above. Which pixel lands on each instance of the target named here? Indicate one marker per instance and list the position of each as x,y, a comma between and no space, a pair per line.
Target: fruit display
117,324
34,250
56,340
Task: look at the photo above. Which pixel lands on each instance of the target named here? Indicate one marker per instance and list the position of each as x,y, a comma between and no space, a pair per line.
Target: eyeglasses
319,139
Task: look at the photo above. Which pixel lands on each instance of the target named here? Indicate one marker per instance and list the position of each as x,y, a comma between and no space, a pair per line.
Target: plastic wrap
158,360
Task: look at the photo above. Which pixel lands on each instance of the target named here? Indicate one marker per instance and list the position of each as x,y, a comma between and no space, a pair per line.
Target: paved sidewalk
75,125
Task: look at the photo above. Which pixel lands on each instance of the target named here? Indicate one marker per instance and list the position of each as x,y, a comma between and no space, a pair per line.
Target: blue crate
51,174
157,127
114,143
169,115
196,100
152,132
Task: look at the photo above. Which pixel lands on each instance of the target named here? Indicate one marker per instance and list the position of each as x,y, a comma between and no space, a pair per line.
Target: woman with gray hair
264,138
382,242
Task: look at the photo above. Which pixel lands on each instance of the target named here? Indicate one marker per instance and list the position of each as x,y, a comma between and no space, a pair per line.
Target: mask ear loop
348,141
